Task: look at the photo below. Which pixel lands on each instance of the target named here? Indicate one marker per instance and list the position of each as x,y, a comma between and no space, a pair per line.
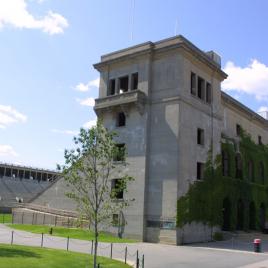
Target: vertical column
117,86
129,83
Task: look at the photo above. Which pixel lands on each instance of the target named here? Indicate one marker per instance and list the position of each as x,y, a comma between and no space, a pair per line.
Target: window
193,84
200,171
259,140
250,171
200,136
123,84
117,188
111,90
225,163
201,88
238,166
121,119
134,81
208,92
119,154
238,130
115,220
261,171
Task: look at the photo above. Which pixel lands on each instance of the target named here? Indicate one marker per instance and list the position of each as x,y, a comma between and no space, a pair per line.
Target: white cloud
9,115
16,14
66,132
252,79
85,87
7,150
86,102
90,124
263,109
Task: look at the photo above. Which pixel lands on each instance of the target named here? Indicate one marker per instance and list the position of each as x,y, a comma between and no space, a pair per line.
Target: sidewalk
207,255
83,246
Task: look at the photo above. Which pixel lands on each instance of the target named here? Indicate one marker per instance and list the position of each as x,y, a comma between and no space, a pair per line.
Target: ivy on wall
244,199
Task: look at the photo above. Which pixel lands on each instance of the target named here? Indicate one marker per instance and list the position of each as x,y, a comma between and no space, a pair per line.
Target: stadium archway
262,216
240,215
252,216
226,214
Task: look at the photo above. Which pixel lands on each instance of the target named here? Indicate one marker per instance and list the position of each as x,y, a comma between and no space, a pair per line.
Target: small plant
217,236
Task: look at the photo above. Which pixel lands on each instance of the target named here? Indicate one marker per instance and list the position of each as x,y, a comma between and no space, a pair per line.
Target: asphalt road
156,255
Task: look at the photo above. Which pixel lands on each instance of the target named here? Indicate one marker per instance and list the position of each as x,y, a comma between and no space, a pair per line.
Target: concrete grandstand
21,184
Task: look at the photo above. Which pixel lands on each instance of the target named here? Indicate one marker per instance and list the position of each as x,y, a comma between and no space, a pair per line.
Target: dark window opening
111,87
225,164
259,140
261,172
193,84
250,171
208,93
200,171
121,120
2,172
123,84
238,167
252,216
238,130
115,220
117,189
226,211
21,173
27,175
200,136
8,172
134,81
201,88
119,154
240,215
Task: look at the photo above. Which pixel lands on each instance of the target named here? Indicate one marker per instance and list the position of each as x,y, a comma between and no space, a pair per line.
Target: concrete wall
55,197
195,232
232,117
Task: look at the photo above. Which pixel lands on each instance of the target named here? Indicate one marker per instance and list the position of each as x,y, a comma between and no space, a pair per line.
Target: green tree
89,169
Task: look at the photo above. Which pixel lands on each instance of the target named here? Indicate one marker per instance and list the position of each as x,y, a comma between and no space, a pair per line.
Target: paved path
156,255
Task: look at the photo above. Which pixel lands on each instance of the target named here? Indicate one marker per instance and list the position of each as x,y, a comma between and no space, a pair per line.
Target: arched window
226,214
250,170
225,163
240,215
262,216
238,166
252,216
261,172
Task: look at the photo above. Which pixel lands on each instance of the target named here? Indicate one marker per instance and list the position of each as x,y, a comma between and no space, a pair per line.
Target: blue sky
47,48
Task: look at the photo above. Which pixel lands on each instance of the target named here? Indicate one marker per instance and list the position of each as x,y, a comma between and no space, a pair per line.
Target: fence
5,218
25,216
122,252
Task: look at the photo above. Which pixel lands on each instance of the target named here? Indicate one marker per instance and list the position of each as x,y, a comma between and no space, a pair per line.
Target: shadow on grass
11,253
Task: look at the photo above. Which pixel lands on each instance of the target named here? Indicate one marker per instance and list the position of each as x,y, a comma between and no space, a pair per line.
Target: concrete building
165,101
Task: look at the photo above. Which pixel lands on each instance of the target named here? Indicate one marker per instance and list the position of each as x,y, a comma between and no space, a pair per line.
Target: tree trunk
96,246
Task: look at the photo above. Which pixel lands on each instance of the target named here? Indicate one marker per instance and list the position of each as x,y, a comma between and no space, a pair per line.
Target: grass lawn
76,233
31,257
5,218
